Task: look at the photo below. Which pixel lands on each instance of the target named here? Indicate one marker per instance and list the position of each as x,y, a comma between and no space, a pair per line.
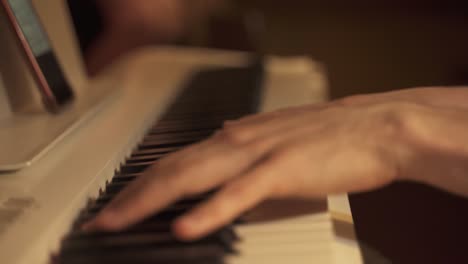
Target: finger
156,188
262,117
146,195
222,158
258,126
196,169
234,199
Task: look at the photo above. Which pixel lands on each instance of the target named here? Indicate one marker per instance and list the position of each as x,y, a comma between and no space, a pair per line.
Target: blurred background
372,46
365,46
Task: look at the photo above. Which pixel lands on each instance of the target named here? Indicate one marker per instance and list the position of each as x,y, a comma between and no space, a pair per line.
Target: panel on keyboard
210,97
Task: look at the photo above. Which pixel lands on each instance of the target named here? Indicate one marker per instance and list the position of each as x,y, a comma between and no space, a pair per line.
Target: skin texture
350,145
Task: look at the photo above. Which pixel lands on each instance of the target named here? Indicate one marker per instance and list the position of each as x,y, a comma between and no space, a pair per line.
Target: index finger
193,170
144,196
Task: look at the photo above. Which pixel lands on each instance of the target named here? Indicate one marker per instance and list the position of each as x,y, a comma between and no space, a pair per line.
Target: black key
162,150
166,215
154,146
223,238
197,122
193,117
126,178
95,208
203,253
144,158
186,127
133,168
153,227
115,187
194,135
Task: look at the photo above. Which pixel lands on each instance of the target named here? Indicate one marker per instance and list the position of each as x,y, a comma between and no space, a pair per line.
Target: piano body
91,140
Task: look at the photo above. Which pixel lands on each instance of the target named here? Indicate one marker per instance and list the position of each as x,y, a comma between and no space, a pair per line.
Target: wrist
409,140
429,145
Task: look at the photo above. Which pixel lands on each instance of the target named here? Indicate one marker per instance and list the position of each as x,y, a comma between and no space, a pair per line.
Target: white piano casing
24,116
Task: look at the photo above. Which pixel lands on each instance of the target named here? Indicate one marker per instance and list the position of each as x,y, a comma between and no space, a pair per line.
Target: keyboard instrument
155,109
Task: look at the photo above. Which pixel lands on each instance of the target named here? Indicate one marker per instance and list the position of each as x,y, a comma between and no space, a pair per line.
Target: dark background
371,46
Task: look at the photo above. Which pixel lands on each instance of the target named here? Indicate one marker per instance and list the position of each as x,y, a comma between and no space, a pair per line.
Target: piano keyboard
208,101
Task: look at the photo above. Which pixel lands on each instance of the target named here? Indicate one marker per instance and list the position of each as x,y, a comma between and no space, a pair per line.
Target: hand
129,24
350,145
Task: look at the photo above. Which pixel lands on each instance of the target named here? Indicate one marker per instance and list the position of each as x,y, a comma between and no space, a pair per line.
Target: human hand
129,24
351,145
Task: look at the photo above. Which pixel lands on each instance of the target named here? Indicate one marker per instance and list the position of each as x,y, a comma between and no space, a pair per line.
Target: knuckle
234,136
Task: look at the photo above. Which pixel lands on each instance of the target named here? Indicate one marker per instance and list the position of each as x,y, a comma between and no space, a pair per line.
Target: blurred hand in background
129,24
